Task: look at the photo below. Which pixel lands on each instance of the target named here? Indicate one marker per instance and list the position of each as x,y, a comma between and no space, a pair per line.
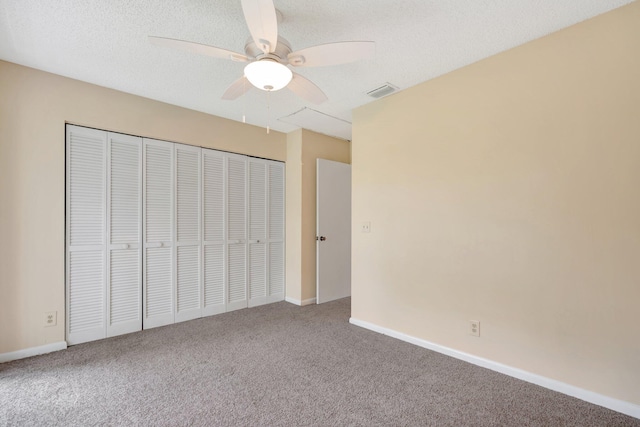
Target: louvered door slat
236,198
86,317
213,182
276,282
188,278
276,201
159,287
124,290
257,232
257,274
214,279
214,231
86,188
125,305
158,280
188,213
276,272
236,218
237,268
257,200
158,194
125,191
86,252
188,194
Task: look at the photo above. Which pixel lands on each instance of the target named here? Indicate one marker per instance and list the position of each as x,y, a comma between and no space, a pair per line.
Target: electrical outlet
366,227
51,318
474,328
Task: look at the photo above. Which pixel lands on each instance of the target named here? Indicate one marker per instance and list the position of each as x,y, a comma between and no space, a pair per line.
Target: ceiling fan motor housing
283,49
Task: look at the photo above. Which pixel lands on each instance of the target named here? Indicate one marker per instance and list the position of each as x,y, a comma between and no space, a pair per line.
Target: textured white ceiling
105,42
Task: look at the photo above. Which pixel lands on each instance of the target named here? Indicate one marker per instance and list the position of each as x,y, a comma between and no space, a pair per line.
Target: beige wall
294,216
34,107
508,192
304,147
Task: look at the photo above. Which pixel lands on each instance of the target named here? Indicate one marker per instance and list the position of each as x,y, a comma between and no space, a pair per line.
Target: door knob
322,238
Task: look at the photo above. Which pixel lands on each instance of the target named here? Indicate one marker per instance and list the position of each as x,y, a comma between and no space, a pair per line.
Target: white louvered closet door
158,232
236,219
188,235
85,255
257,232
213,242
158,278
276,284
124,234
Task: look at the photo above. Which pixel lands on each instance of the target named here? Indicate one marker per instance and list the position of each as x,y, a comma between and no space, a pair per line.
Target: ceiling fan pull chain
244,101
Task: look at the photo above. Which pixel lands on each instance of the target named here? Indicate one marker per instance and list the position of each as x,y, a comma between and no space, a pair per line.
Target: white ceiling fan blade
237,89
202,49
262,22
332,54
306,89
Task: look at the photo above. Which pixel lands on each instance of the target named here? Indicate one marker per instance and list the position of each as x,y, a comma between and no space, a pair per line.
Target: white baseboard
32,351
627,408
300,303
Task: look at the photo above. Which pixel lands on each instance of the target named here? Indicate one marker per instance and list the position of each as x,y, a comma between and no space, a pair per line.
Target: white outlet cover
474,328
366,227
51,318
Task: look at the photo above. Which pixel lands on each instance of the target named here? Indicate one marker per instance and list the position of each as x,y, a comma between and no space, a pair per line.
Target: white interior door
275,290
213,244
257,232
86,257
158,233
158,278
124,234
188,234
236,232
333,230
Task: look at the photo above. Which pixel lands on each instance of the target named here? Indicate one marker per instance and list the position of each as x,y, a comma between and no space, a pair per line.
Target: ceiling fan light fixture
267,74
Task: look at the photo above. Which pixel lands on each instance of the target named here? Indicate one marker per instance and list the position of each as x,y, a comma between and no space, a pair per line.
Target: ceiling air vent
383,90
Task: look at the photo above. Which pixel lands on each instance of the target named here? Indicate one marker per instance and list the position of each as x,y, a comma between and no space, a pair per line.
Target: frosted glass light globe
268,74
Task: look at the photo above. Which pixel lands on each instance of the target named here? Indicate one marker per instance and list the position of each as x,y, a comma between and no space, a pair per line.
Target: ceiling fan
269,55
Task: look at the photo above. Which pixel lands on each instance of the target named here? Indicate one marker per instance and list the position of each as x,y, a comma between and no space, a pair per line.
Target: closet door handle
155,245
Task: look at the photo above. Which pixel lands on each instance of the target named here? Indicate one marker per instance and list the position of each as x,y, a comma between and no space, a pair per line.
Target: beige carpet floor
275,365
